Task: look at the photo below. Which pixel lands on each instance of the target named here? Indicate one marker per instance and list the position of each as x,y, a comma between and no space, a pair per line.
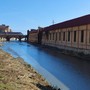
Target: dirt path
15,74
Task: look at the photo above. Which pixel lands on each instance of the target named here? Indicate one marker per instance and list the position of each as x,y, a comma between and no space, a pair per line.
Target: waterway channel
66,72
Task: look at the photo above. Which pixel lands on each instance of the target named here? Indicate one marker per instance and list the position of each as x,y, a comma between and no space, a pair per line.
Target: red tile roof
70,23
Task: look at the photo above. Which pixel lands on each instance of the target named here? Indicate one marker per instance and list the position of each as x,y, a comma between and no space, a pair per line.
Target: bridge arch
16,35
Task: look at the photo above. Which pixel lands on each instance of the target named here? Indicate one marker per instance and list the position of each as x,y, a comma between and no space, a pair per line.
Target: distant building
4,28
35,35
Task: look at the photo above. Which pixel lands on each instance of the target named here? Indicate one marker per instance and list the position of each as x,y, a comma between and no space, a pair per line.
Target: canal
60,70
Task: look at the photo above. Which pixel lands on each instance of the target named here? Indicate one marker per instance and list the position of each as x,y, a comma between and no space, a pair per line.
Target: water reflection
73,72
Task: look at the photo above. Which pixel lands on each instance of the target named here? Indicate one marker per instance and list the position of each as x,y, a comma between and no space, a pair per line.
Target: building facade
70,35
33,36
73,35
4,29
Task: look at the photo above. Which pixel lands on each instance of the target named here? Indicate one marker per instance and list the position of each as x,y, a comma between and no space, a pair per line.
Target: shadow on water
72,61
42,87
69,59
74,72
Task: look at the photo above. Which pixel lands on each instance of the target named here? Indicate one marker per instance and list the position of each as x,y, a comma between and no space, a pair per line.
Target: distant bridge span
9,35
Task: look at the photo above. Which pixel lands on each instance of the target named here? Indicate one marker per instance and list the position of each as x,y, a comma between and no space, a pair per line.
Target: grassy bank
15,74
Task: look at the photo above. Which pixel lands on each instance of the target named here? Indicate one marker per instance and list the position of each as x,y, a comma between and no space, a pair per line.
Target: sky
23,15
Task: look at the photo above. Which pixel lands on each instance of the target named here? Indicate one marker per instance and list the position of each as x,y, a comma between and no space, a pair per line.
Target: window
74,36
82,36
56,36
53,36
68,35
50,36
63,36
89,37
59,35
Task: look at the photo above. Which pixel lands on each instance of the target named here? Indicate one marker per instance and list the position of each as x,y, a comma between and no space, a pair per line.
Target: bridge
16,35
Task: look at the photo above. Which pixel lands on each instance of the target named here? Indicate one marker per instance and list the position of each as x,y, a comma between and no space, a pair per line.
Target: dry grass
15,74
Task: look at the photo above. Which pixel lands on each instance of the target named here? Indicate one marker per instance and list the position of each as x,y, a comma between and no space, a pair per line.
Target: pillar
27,36
20,39
8,38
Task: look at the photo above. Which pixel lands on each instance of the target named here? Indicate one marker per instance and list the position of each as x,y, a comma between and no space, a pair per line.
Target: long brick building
69,35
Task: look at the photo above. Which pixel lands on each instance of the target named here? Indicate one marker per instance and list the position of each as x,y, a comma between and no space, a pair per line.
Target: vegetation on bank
15,74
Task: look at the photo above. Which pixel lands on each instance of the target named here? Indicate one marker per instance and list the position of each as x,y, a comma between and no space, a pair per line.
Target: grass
6,87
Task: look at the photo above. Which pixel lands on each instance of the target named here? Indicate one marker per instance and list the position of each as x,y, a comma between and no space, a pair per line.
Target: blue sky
22,15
